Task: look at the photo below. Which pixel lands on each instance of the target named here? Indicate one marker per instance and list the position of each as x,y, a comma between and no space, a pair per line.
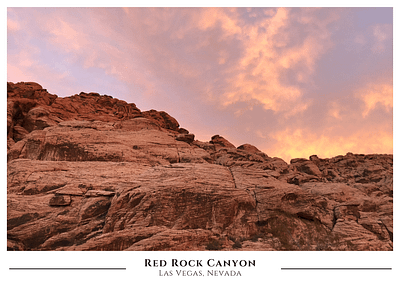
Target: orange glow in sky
294,82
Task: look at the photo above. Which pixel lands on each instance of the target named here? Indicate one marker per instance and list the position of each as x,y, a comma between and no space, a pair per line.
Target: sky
294,82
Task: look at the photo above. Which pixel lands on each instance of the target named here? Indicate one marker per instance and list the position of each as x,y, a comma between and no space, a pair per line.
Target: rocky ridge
91,172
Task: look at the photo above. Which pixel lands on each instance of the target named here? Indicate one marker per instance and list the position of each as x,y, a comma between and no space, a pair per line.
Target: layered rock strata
91,172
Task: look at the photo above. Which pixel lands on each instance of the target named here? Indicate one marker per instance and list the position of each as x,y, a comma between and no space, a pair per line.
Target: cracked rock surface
91,172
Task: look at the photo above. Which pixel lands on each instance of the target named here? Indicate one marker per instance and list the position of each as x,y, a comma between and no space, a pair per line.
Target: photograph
201,144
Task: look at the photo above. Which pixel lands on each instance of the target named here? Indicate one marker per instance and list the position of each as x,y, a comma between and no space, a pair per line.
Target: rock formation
91,172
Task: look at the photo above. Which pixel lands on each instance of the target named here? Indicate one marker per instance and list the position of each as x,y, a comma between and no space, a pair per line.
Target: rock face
91,172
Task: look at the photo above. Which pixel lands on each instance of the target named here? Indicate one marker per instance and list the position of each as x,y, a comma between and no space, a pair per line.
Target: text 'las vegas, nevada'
194,267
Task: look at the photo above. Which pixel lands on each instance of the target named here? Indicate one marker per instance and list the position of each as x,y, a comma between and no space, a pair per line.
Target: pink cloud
382,33
271,49
375,95
227,19
335,110
12,25
65,36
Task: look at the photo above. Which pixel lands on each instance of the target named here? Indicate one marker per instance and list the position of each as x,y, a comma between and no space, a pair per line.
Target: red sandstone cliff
91,172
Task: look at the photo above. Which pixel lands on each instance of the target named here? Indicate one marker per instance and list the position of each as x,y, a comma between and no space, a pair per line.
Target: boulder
249,148
221,142
188,138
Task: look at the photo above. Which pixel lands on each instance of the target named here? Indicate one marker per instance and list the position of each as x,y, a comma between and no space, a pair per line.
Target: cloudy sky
292,81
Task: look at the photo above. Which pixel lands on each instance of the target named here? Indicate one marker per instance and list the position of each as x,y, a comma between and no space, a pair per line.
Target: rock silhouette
91,172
